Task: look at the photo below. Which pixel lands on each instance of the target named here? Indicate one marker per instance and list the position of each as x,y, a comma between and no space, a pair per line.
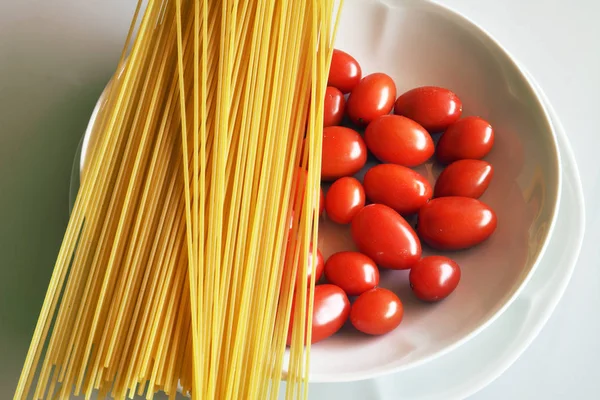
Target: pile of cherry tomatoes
449,215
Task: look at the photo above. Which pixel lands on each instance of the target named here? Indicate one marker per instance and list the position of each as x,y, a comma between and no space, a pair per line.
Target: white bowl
423,43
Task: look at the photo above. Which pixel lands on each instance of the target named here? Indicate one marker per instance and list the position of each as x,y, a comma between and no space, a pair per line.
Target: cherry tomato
377,312
373,97
344,199
399,140
396,186
434,108
383,235
433,278
335,104
354,272
466,178
455,223
344,152
345,72
469,138
330,312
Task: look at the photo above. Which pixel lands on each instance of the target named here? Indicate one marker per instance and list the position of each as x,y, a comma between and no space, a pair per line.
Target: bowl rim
555,194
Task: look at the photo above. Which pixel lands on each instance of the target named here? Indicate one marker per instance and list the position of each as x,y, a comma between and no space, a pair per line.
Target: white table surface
55,57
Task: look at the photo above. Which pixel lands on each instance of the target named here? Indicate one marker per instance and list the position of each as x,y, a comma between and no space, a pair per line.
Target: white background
559,42
55,57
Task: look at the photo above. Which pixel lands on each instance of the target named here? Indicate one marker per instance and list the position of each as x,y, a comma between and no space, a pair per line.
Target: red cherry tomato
396,186
469,138
344,152
344,199
455,223
433,278
383,235
434,108
399,140
466,178
373,97
377,312
354,272
335,104
330,312
345,72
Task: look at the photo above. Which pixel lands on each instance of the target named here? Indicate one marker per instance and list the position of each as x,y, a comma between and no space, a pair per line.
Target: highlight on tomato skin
401,188
344,71
331,309
465,178
352,271
335,105
398,140
345,198
377,312
384,235
373,97
344,153
455,223
432,107
434,278
468,138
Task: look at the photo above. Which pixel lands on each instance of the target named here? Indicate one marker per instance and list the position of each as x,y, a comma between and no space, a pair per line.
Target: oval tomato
344,72
383,235
344,199
330,312
373,97
354,272
434,108
399,140
377,312
433,278
335,104
466,178
469,138
455,223
344,152
396,186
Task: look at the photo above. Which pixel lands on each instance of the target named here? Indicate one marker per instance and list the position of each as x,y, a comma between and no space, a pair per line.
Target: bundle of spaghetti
192,228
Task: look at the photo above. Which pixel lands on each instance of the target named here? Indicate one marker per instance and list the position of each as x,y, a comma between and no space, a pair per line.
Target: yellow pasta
178,266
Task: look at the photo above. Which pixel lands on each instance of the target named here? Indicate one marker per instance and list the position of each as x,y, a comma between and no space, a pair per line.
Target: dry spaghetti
178,265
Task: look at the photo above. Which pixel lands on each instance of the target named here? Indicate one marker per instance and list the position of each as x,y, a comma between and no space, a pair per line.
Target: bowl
423,43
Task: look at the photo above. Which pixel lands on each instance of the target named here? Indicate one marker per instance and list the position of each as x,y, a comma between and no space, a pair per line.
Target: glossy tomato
335,104
345,72
396,186
399,140
377,312
373,97
455,223
344,152
330,312
344,199
469,138
434,108
383,235
433,278
354,272
466,178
